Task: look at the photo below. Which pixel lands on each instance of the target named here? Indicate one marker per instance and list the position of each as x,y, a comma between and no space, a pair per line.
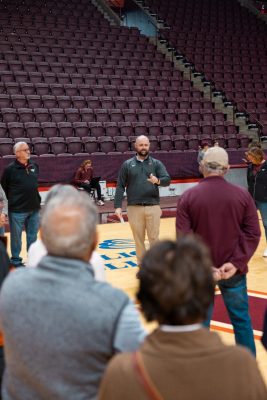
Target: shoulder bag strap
144,378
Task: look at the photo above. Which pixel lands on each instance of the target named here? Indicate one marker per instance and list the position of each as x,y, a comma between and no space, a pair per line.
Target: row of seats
111,42
214,46
132,56
256,87
252,106
131,60
92,79
85,69
230,77
103,115
254,97
216,38
98,129
105,102
50,21
87,54
27,88
121,144
217,55
109,47
210,41
107,32
83,25
225,66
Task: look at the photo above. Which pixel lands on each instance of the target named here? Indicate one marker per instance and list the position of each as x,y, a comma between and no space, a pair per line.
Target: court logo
117,244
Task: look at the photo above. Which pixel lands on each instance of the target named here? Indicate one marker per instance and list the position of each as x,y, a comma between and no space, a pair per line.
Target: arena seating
71,84
226,42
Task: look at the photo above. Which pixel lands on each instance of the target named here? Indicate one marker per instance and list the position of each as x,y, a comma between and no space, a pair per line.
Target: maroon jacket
225,217
83,175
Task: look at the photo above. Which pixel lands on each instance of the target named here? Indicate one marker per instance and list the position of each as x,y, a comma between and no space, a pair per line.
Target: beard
143,153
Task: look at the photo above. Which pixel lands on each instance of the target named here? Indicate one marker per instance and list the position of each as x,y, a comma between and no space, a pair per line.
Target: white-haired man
225,217
20,183
61,325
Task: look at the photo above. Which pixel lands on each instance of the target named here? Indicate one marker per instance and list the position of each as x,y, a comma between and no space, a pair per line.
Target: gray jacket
3,201
133,175
59,325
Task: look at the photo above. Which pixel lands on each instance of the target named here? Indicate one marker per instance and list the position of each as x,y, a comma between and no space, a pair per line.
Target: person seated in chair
83,179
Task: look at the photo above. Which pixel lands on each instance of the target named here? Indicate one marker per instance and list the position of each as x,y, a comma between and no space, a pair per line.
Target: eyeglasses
25,149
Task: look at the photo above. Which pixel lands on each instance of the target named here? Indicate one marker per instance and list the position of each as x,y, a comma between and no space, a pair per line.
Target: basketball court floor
116,246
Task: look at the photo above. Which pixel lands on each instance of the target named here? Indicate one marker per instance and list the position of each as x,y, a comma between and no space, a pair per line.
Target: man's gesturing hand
153,179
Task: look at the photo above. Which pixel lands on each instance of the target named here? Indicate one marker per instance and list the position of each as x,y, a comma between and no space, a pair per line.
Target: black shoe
22,264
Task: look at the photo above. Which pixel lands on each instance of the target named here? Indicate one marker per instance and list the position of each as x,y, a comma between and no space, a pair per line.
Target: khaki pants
144,219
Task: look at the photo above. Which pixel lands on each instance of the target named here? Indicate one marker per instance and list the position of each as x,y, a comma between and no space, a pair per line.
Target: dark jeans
16,221
235,297
262,207
89,186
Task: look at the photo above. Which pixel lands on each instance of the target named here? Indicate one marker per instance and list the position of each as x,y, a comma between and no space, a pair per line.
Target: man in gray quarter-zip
61,325
141,176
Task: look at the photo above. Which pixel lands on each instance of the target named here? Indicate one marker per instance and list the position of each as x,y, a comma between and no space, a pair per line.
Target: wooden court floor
117,249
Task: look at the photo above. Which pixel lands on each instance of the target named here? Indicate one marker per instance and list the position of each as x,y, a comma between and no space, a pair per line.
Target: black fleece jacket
133,175
257,182
20,184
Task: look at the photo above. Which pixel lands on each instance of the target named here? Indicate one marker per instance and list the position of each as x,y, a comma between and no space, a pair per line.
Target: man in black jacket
141,176
20,183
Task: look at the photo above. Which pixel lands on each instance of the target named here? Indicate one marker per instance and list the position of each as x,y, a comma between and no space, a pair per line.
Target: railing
115,3
118,5
251,121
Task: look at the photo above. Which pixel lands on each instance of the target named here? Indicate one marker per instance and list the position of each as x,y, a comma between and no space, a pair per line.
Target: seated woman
181,359
83,179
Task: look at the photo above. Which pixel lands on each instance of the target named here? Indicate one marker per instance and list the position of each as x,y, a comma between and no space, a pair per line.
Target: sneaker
100,203
21,265
265,253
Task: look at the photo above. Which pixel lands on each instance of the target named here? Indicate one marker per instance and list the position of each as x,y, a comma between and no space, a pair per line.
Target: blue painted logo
117,244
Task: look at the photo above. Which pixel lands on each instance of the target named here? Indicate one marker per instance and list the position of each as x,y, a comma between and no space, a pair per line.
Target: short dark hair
176,282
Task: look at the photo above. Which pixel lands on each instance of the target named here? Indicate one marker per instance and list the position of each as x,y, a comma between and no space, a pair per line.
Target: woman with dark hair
181,359
257,183
84,179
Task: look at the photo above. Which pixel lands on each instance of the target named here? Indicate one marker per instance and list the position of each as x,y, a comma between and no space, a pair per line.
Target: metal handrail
252,121
116,4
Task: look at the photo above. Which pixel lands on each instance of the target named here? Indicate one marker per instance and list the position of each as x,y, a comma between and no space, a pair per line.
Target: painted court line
223,327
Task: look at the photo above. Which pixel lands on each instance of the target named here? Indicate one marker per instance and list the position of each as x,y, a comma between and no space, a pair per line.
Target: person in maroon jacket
225,217
84,179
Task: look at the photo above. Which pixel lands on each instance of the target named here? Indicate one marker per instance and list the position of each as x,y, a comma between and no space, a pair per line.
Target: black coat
257,183
20,184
